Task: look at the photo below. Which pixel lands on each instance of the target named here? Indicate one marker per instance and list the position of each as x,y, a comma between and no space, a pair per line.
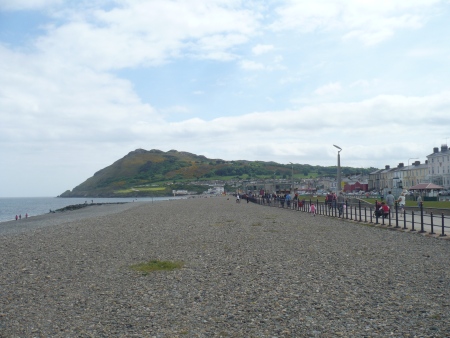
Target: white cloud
43,101
262,49
366,20
329,89
251,65
360,83
175,109
150,33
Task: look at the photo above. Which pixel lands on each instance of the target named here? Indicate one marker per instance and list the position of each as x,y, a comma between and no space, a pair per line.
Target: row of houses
436,170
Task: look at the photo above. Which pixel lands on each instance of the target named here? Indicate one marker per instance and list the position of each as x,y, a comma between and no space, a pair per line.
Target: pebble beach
249,271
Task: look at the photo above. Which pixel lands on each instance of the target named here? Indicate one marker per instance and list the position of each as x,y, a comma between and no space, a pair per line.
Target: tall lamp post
292,178
338,187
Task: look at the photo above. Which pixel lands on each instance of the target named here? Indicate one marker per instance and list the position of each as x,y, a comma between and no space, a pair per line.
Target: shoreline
35,206
63,215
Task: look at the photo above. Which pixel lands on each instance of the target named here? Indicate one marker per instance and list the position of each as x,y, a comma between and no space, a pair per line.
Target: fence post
421,225
432,227
412,223
376,212
443,226
359,206
421,215
396,210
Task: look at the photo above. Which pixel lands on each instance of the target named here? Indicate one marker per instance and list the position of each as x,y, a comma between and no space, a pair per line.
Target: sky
83,83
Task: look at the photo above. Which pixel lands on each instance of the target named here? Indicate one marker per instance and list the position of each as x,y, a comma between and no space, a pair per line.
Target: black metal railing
408,219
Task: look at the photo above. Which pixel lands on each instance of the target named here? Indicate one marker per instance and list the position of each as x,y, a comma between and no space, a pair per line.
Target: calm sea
33,206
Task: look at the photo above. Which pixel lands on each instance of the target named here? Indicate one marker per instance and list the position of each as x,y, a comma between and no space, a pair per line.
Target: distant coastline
35,206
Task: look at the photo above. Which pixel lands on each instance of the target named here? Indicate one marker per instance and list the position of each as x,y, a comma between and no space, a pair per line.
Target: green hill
157,173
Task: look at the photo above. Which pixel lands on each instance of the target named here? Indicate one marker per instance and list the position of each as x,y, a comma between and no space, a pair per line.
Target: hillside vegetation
157,173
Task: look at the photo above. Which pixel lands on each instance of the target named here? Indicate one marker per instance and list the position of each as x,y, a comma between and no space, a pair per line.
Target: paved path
413,223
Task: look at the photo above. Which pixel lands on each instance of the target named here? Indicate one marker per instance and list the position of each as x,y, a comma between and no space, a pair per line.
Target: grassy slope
144,173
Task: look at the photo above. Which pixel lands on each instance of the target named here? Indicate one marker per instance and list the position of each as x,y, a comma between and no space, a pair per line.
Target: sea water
33,206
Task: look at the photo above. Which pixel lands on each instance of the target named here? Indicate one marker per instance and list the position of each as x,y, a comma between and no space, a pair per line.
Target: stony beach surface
249,271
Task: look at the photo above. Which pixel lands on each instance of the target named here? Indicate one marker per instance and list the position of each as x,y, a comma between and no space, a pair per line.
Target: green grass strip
155,265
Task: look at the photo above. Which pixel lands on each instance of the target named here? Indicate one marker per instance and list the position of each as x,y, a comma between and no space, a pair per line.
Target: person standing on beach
17,217
390,200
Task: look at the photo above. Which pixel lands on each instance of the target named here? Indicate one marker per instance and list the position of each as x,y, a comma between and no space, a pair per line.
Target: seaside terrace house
386,178
436,169
374,180
439,167
414,174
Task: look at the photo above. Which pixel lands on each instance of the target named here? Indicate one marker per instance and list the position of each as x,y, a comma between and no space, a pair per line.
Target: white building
439,166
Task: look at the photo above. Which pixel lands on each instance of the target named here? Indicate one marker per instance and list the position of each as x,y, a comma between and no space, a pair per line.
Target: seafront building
436,170
439,166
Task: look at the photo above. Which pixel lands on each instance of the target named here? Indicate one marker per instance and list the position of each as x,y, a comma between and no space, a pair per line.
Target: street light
292,178
338,187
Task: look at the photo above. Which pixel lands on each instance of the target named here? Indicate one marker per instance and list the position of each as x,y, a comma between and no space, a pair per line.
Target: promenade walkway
422,221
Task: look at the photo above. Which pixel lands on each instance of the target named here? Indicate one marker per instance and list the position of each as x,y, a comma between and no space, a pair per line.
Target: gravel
250,271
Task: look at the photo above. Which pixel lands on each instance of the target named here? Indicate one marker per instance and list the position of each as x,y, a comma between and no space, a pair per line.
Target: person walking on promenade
419,201
312,209
401,203
329,199
390,200
288,200
340,201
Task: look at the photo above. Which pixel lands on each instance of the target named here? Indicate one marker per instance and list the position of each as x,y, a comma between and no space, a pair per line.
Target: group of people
331,200
384,208
20,216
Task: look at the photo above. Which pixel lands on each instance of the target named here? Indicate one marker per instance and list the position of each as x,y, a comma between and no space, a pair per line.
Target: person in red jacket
385,209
